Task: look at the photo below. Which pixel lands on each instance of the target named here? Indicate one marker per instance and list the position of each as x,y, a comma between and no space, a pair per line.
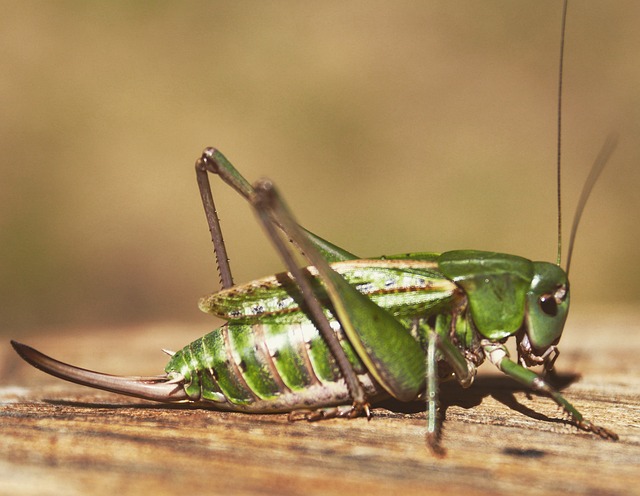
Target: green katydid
330,339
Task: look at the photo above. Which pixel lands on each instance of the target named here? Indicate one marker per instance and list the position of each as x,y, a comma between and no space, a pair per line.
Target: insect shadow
501,389
138,405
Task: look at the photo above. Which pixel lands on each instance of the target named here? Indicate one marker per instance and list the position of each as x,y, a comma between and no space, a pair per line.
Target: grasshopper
334,337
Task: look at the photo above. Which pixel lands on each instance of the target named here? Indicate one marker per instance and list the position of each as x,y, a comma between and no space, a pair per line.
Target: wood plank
59,438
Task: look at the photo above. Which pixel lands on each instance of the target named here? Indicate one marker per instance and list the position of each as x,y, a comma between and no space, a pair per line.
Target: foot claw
341,411
433,443
596,429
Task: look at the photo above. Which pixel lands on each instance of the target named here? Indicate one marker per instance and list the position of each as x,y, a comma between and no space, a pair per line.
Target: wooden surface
58,438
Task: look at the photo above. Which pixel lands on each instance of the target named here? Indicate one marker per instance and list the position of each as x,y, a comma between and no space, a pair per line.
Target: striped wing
404,287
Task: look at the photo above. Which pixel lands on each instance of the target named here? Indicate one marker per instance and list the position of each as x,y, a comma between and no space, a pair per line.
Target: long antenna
599,163
559,172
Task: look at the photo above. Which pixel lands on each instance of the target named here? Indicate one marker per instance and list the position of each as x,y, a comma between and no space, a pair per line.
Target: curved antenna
599,163
558,179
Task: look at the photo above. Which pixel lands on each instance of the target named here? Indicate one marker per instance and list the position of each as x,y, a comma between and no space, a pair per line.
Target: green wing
404,287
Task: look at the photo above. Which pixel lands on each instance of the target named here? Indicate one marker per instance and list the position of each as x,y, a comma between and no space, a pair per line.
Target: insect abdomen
265,366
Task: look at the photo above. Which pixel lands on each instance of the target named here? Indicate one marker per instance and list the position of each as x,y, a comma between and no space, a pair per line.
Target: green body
271,357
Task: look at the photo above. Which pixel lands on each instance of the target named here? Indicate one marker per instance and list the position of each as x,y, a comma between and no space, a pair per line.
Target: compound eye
548,305
561,294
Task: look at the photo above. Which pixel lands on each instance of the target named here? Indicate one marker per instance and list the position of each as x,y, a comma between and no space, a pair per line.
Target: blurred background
389,126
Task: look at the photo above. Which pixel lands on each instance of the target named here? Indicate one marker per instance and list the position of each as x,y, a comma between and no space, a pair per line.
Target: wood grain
58,438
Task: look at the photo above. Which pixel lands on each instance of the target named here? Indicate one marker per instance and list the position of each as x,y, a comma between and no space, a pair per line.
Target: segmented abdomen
267,366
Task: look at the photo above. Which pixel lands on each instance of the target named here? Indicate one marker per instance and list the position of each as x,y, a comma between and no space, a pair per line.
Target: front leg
499,356
440,347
